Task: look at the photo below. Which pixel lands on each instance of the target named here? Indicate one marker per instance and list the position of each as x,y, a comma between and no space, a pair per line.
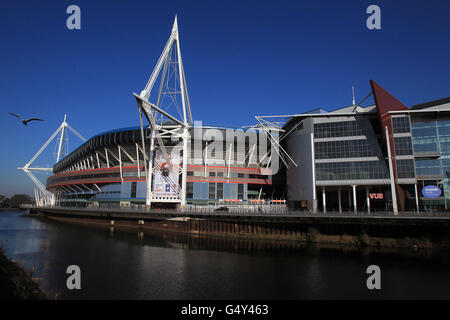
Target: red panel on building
385,103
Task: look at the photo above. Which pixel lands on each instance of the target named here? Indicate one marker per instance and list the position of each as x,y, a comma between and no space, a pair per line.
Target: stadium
384,157
111,169
171,162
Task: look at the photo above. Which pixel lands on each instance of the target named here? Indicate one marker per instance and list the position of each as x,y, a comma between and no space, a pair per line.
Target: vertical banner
166,176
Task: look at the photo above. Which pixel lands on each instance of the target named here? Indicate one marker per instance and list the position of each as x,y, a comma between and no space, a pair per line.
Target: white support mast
170,64
391,174
45,196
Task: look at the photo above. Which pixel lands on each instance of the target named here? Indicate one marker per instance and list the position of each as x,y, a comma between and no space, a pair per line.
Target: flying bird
25,122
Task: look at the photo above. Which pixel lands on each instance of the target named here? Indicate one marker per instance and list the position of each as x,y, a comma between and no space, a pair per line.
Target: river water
132,265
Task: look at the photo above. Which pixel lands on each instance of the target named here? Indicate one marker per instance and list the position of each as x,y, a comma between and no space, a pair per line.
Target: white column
324,200
368,200
229,163
98,161
137,158
313,166
391,174
106,156
120,163
186,153
206,156
339,200
148,199
417,198
63,128
355,207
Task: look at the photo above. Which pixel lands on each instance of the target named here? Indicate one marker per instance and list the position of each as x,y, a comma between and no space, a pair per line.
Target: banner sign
166,176
431,192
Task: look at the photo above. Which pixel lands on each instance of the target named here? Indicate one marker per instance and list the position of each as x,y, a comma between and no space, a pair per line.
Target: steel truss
166,127
42,196
267,127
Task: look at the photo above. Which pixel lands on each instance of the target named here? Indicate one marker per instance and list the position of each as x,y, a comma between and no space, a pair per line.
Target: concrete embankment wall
362,231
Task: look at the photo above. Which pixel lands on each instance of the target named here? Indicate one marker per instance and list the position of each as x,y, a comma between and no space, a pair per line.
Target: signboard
431,192
166,177
376,196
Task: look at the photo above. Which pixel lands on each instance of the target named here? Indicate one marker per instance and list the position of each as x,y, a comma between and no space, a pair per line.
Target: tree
3,201
18,199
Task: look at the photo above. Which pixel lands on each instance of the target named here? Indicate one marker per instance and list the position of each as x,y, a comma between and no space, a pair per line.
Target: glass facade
337,129
444,141
425,137
428,167
212,191
358,170
344,149
431,141
359,149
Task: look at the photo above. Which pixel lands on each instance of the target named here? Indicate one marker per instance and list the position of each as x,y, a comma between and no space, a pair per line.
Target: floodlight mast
150,110
46,197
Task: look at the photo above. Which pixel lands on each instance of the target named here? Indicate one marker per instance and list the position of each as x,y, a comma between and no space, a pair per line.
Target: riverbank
11,209
359,232
241,243
16,283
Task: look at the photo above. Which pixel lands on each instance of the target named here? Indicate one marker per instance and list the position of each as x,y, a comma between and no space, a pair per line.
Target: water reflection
153,265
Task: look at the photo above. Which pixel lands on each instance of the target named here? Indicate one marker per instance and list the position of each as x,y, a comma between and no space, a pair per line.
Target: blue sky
241,58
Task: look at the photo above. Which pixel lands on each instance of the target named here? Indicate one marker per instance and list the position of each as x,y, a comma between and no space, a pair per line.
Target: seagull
25,122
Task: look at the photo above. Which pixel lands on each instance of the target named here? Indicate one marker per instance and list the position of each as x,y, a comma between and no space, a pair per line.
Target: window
359,170
240,191
405,168
428,167
402,146
400,125
345,149
337,129
425,139
133,189
189,190
220,191
212,190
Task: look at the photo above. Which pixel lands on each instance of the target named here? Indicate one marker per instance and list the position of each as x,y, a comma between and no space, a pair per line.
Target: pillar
355,207
391,174
339,200
417,198
324,200
368,200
